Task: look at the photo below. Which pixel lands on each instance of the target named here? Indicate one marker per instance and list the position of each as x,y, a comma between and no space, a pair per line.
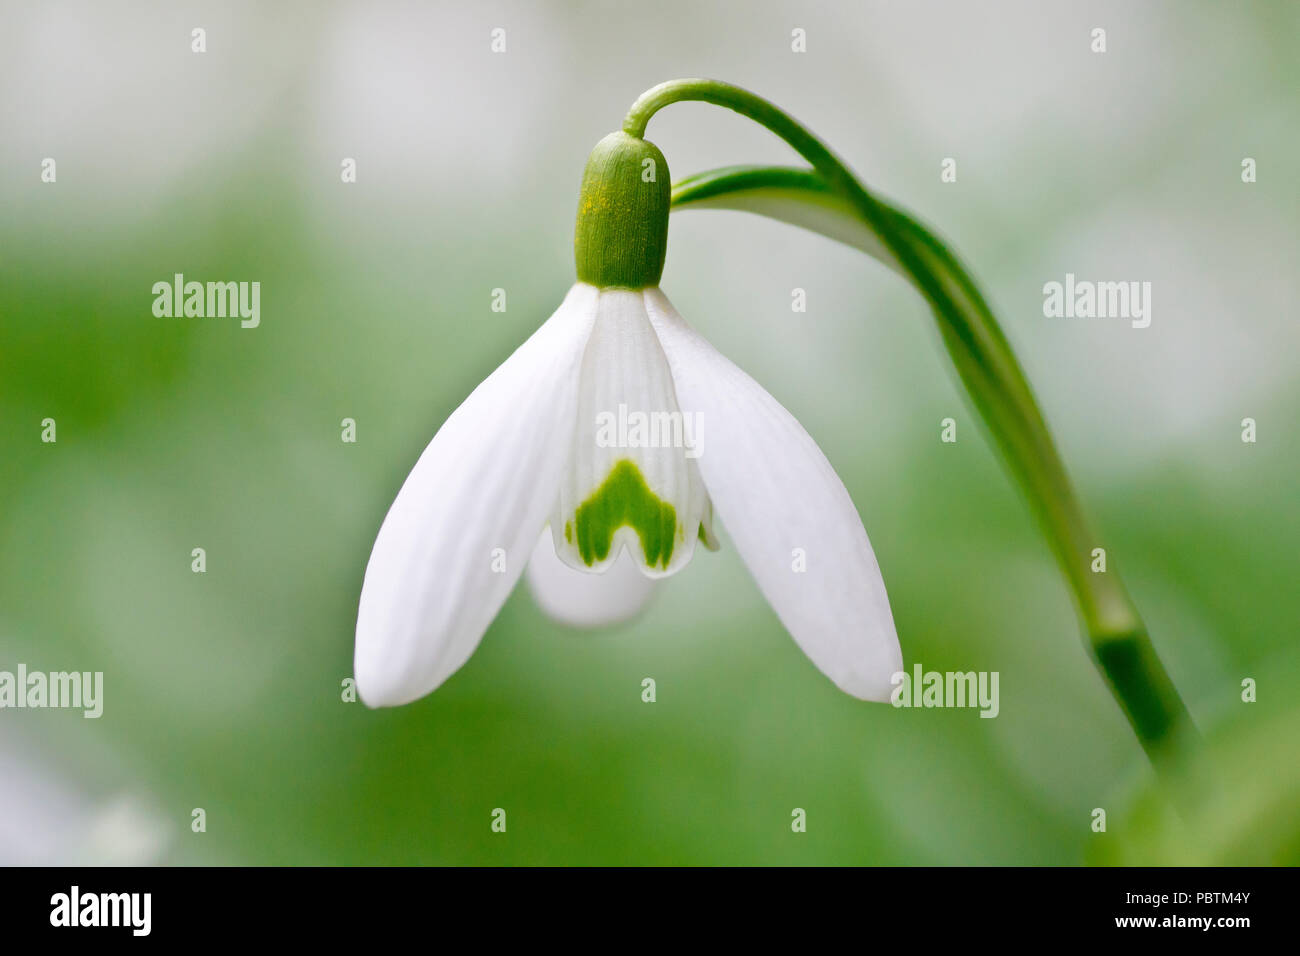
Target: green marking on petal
568,531
625,500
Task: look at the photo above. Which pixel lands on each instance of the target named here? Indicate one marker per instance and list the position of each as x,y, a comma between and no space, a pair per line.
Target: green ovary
624,499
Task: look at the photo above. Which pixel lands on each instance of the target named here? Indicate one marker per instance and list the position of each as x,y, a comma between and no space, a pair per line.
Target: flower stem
1117,638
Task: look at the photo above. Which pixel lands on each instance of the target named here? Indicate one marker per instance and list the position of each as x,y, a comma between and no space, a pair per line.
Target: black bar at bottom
368,904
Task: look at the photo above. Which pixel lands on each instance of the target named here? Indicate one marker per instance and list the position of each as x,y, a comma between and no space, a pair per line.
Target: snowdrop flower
621,428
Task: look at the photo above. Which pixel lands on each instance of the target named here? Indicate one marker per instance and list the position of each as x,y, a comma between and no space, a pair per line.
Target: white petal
633,482
486,482
584,599
779,497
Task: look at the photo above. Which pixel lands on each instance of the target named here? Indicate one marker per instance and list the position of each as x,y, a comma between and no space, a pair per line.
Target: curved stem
997,386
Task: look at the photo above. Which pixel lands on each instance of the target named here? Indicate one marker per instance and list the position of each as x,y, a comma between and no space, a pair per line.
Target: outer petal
485,482
583,598
776,492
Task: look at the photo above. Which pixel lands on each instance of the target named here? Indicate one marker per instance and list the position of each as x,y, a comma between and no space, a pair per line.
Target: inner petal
633,482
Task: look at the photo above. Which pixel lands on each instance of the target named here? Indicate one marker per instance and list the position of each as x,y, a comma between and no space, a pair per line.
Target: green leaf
796,196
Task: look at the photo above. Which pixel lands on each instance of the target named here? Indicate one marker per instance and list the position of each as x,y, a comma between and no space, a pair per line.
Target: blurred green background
222,690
